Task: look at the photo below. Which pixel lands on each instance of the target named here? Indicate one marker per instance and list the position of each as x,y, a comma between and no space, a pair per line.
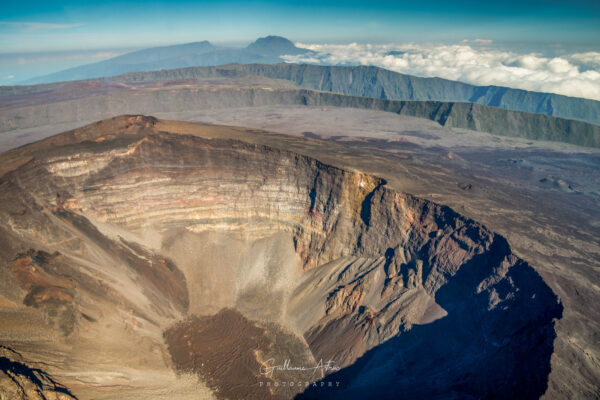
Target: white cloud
10,77
589,60
104,54
478,41
575,75
38,58
37,26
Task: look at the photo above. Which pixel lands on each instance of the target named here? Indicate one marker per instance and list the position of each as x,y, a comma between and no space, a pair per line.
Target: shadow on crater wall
480,350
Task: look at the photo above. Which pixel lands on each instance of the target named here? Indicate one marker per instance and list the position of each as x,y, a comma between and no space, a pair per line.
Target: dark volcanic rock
227,351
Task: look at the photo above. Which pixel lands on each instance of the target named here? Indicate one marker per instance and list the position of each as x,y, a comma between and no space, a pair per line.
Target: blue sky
40,37
35,26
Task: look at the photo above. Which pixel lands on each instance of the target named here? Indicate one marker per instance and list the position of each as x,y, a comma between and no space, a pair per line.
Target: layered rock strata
119,237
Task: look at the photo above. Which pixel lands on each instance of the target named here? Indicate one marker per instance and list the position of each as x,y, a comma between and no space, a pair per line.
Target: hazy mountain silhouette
267,50
259,58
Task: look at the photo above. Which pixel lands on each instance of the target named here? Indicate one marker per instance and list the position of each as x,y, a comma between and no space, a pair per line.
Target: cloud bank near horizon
576,75
36,26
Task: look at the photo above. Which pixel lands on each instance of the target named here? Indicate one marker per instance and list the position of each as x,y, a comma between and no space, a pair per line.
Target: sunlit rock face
128,239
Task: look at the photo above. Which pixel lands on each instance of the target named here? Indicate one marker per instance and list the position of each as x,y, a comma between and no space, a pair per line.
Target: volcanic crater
134,254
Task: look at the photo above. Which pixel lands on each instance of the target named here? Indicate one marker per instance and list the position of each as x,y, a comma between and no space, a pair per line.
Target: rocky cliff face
87,101
128,239
380,83
363,81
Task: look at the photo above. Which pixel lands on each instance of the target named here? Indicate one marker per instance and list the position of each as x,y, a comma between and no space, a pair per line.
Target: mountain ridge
375,82
171,98
268,49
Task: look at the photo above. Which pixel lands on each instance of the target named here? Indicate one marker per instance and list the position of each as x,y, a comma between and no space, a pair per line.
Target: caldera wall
131,231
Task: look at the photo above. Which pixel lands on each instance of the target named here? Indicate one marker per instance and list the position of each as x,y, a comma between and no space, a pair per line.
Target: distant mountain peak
266,50
271,40
204,45
274,45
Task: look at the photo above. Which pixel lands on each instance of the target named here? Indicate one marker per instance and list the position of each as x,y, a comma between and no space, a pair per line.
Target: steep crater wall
171,227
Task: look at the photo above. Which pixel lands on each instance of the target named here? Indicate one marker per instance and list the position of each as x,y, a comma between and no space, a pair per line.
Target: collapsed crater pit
234,255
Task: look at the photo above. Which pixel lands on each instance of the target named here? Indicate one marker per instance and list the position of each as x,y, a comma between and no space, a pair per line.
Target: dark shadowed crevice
365,209
27,378
496,99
